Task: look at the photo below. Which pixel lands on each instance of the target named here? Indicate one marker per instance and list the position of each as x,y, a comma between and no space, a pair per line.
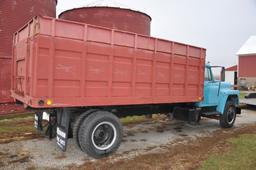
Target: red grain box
74,64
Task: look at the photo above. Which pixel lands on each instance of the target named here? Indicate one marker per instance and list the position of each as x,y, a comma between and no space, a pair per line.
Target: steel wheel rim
231,115
104,135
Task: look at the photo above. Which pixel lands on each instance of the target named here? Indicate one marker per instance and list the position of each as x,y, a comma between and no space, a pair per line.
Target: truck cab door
211,89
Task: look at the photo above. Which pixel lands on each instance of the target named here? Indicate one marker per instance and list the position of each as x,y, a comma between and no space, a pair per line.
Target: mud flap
63,119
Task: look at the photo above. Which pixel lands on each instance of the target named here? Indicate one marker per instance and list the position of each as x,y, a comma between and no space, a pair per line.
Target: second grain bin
15,13
111,17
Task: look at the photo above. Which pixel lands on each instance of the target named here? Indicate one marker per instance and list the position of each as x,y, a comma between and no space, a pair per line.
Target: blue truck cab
220,100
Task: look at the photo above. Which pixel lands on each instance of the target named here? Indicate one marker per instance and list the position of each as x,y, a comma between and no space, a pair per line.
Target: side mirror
222,74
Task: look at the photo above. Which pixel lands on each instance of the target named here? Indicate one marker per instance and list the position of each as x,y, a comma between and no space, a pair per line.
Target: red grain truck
85,77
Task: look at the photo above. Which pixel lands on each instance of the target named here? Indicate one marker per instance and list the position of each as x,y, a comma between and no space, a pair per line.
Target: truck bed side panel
75,64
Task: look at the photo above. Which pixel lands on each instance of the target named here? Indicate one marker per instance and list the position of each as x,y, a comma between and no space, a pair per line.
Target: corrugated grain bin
111,17
5,80
13,15
75,64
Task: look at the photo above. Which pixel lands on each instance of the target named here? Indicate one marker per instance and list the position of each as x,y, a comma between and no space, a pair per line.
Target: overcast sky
220,26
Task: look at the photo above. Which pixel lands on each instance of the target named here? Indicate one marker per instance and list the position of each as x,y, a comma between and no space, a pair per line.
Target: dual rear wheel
98,133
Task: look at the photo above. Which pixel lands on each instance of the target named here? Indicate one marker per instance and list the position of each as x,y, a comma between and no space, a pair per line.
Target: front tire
100,134
227,119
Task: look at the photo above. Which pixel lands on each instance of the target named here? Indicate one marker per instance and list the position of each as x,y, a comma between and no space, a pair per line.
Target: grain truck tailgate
22,62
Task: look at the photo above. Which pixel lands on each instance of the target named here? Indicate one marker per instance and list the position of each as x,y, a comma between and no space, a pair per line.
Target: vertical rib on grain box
59,63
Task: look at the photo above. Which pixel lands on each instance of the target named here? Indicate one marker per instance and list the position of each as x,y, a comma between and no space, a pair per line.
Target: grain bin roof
111,3
107,3
249,47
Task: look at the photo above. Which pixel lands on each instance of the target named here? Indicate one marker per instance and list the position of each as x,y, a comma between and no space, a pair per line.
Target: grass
242,94
133,119
18,124
17,129
242,155
138,119
16,115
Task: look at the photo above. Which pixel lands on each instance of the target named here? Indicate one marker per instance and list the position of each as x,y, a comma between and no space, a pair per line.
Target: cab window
207,75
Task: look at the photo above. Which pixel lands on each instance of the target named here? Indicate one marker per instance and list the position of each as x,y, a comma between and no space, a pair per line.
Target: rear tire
100,134
77,125
227,119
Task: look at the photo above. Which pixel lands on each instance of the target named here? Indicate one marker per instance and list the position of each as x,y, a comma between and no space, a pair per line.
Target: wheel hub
104,135
231,115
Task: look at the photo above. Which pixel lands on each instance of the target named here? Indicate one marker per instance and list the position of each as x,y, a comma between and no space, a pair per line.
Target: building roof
232,68
249,47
